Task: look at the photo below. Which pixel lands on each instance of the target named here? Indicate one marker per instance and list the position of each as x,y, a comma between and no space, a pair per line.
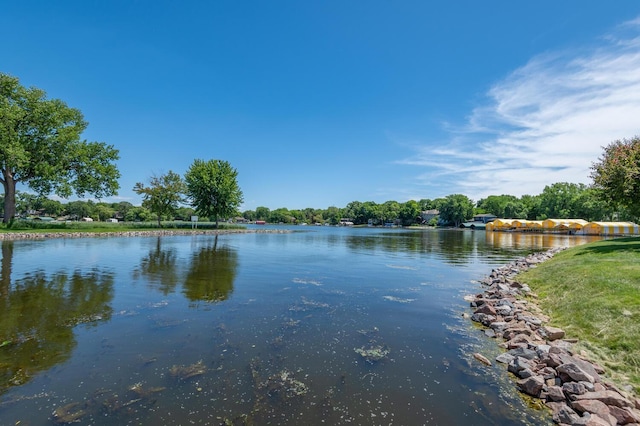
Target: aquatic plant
373,354
183,372
69,413
284,386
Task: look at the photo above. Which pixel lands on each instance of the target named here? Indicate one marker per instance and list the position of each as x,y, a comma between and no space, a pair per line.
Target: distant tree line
41,148
559,200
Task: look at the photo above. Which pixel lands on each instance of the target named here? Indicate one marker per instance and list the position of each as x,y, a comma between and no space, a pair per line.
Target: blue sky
320,103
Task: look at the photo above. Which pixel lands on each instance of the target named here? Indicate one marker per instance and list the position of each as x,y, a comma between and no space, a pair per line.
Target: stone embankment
147,233
542,358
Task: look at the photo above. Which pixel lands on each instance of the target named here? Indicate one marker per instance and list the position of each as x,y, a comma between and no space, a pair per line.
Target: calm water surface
328,326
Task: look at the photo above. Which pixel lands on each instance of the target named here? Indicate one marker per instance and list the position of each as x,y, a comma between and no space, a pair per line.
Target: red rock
576,373
555,393
625,415
532,385
592,406
607,396
595,420
486,309
553,333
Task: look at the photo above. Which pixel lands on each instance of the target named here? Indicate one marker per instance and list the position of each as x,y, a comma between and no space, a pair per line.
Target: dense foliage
560,200
616,175
163,195
40,147
212,187
456,209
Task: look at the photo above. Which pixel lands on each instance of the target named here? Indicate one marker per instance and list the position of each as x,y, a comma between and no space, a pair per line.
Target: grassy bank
593,293
35,226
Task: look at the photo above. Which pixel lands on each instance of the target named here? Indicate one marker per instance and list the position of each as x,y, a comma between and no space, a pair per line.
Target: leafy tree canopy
455,209
213,188
40,147
507,206
616,174
163,195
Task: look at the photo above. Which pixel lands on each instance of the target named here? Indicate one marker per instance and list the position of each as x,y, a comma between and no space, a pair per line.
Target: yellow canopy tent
502,224
610,228
577,224
521,223
551,223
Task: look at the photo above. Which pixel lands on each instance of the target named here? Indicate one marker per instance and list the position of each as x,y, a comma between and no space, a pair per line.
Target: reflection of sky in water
331,326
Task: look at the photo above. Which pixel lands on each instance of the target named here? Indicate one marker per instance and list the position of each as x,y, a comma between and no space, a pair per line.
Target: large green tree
280,215
507,206
455,209
103,211
163,195
389,211
559,200
616,174
262,213
332,215
409,212
40,147
138,214
361,213
79,209
213,188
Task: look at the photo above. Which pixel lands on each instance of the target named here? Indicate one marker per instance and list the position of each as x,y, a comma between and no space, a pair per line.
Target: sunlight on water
330,326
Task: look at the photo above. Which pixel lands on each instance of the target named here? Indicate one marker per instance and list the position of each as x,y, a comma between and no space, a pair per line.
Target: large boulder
596,407
555,393
574,388
532,385
607,396
563,414
625,415
552,333
486,309
576,373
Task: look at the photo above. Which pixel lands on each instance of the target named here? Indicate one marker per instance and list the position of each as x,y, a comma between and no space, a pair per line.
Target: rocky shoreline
542,358
146,233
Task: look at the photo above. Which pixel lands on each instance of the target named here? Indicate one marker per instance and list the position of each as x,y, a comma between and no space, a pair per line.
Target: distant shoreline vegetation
115,230
560,200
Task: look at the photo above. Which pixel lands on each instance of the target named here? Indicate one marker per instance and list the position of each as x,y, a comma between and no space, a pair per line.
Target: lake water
328,326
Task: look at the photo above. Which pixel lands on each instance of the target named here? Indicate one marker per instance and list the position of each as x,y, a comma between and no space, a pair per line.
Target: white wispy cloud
544,123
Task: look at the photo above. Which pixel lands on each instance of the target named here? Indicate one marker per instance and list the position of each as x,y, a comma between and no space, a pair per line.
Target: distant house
427,215
484,218
44,219
479,221
112,220
87,219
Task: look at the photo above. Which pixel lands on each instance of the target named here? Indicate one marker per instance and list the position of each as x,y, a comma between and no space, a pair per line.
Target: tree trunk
9,197
159,221
5,268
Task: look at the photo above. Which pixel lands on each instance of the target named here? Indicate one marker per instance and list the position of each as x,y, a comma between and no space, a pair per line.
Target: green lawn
35,226
593,293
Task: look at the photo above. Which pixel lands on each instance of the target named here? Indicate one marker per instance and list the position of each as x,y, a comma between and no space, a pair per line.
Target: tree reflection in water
159,267
211,273
39,313
208,276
